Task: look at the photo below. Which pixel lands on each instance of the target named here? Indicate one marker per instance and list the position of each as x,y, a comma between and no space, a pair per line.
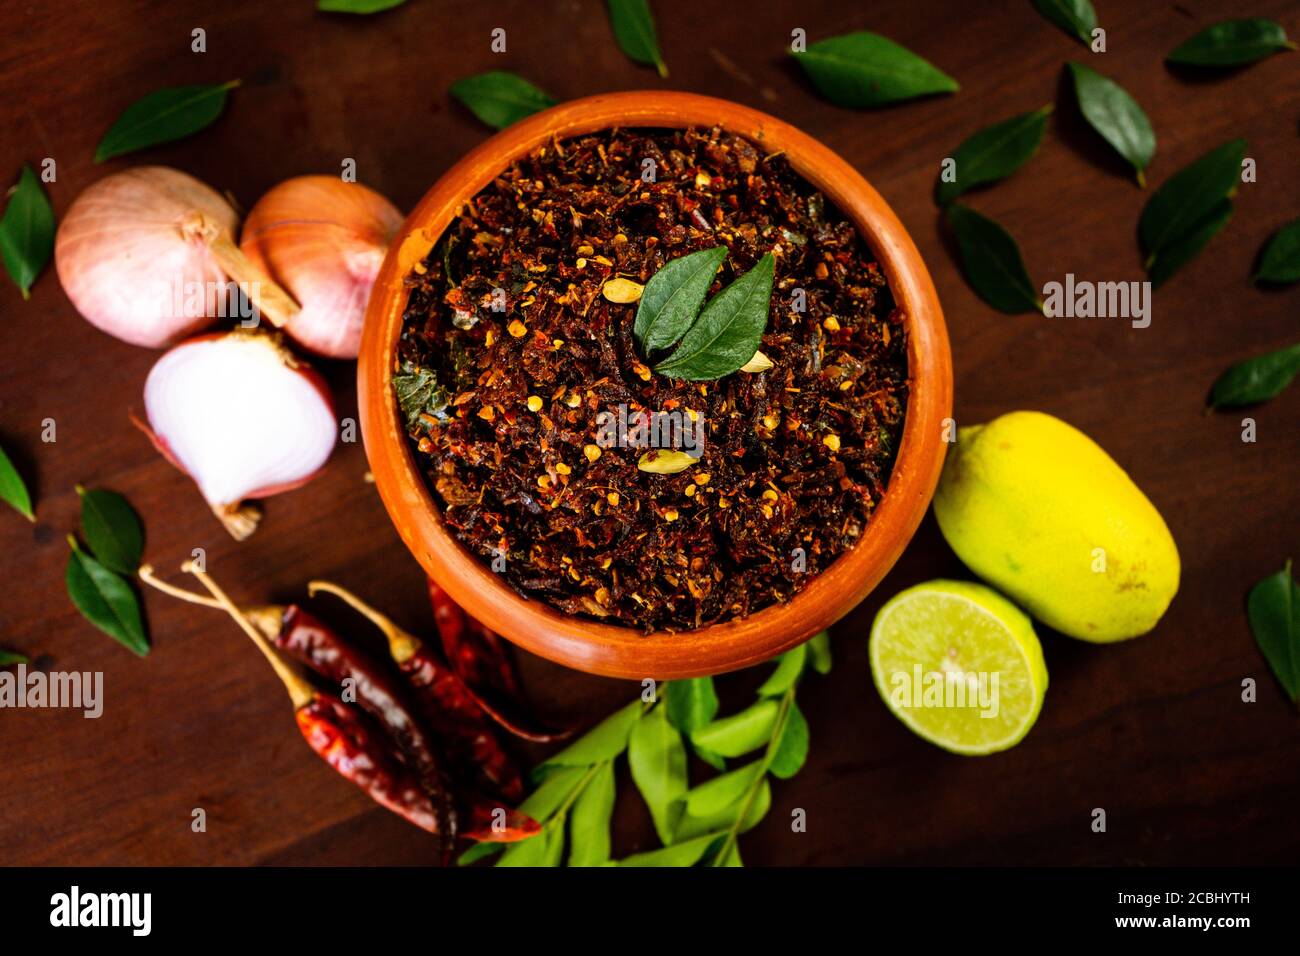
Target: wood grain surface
1154,731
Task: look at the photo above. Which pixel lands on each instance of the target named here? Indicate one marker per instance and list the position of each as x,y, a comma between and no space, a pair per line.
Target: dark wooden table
1154,731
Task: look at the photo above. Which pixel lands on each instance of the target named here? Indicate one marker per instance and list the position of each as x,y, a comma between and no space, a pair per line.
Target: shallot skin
130,248
323,240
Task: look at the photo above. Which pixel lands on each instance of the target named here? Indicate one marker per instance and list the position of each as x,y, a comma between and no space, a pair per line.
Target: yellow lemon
1036,508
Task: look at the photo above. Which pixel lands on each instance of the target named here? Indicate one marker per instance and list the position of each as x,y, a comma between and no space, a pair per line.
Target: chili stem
401,645
146,573
300,692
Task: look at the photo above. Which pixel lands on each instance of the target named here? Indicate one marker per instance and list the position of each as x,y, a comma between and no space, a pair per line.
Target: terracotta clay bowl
619,651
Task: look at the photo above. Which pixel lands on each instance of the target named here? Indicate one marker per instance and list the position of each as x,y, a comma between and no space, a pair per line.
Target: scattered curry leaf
26,231
1281,259
357,6
105,600
993,153
1232,43
1076,17
11,657
672,298
723,791
1256,379
589,839
693,826
657,759
112,530
1189,198
13,490
1274,610
691,703
605,741
866,69
164,116
991,261
738,733
418,393
1116,116
1174,255
686,853
792,748
634,29
729,330
499,98
789,668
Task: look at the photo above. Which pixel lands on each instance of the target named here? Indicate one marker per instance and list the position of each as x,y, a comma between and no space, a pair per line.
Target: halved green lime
960,665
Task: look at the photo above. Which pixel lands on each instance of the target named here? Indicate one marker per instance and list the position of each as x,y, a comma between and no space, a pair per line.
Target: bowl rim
619,651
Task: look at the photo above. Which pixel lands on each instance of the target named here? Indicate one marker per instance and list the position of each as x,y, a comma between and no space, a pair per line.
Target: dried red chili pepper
306,638
445,701
343,738
482,661
340,735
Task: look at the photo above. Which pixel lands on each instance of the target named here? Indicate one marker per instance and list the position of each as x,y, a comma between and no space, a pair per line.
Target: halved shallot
238,413
323,240
148,255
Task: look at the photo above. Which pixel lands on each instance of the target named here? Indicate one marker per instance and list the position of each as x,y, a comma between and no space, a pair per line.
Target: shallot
148,255
238,413
323,240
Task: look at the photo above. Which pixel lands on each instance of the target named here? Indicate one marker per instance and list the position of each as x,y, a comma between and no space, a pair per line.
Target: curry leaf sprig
574,800
98,581
575,796
712,342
